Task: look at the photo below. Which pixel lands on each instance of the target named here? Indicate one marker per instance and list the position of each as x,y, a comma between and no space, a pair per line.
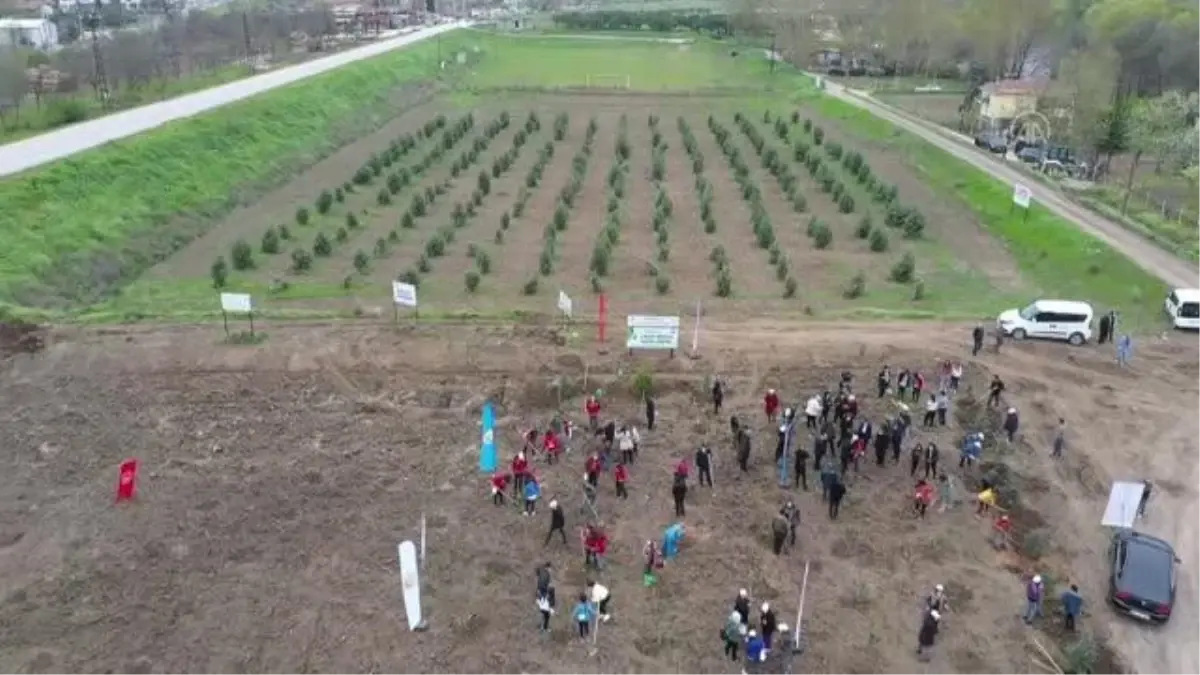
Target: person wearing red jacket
551,446
922,497
621,476
858,449
682,468
520,469
592,407
499,483
591,469
595,544
918,385
771,405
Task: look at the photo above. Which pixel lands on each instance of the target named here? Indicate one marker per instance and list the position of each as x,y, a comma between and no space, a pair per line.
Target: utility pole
246,39
772,55
97,56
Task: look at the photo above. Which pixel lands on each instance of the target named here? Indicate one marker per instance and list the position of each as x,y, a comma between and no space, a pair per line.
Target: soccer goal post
608,81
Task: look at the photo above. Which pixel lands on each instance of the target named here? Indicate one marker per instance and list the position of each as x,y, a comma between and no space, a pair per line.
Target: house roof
1015,87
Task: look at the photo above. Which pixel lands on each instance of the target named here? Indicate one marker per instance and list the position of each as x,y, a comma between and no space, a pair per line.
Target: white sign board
236,302
651,332
1122,506
1022,196
564,303
404,294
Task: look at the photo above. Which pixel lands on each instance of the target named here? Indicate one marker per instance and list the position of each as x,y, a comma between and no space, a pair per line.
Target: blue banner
488,461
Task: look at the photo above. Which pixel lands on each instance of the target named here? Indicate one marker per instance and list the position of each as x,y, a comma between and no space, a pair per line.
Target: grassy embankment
76,229
1052,254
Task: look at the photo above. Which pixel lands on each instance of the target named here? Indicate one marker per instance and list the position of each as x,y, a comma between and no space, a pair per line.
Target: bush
546,263
418,206
904,270
818,135
393,236
856,288
485,183
242,255
381,247
878,241
597,285
322,247
808,125
823,237
423,264
435,247
789,287
219,272
324,202
301,216
600,260
361,262
410,277
662,284
896,216
710,225
301,260
863,229
846,203
351,221
472,281
339,195
530,287
483,262
664,253
724,284
384,197
407,221
914,225
799,204
342,235
918,291
505,221
270,241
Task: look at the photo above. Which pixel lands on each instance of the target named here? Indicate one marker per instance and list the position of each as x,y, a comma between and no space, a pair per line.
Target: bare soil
277,479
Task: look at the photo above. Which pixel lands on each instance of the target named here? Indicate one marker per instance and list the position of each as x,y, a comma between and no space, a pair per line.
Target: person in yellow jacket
987,499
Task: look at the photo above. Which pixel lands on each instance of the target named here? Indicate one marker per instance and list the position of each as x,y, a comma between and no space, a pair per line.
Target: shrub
384,197
351,221
782,268
896,216
393,236
560,217
339,195
505,221
597,285
341,234
818,135
724,284
483,262
301,260
651,269
914,225
219,272
823,237
324,202
322,247
856,288
808,125
878,241
799,204
664,253
904,270
546,263
600,260
846,203
530,287
362,176
301,216
423,264
361,261
918,291
270,241
789,287
410,277
435,247
418,206
381,247
407,221
472,281
484,182
242,255
863,229
710,225
662,284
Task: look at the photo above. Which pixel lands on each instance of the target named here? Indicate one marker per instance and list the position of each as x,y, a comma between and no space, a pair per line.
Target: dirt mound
21,338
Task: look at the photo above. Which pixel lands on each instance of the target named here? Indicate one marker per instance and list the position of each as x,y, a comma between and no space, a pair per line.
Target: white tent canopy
1122,506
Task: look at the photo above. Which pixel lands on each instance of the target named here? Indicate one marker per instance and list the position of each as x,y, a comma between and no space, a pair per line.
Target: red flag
127,480
603,316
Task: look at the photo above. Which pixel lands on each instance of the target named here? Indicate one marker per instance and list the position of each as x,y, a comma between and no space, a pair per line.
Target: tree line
662,21
149,60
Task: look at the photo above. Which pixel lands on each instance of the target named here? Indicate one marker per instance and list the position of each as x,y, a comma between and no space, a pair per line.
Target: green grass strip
100,199
1053,254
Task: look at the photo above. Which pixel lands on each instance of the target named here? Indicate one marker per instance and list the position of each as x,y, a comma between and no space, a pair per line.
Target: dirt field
277,479
950,284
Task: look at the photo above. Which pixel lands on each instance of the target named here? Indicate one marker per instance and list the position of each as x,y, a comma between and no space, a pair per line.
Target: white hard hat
742,592
1037,578
752,632
554,503
939,588
935,614
783,628
766,606
770,391
1012,410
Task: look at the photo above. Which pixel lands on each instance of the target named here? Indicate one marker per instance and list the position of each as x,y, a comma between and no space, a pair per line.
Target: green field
73,247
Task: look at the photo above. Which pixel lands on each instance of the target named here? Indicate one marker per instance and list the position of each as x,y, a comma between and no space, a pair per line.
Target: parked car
1183,307
1067,320
1142,581
992,143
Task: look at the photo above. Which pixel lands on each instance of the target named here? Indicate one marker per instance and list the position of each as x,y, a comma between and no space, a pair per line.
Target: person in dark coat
897,437
679,494
792,514
780,443
928,634
558,523
704,465
882,440
767,623
741,605
779,532
1011,423
826,405
820,447
651,413
931,460
995,390
977,340
884,381
837,492
718,396
917,454
1105,329
845,453
743,450
801,469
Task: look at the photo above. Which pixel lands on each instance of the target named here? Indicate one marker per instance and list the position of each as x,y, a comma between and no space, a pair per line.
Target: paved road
1146,254
48,147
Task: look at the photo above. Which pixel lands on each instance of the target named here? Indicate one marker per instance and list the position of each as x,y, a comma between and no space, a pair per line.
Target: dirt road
48,147
1146,254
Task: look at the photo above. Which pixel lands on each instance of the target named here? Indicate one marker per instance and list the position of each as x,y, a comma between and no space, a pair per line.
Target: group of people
768,637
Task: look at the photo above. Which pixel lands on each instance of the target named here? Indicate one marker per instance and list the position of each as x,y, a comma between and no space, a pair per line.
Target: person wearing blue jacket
584,614
533,490
1072,604
756,651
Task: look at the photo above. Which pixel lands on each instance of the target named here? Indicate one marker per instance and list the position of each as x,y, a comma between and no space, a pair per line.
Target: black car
1142,584
992,143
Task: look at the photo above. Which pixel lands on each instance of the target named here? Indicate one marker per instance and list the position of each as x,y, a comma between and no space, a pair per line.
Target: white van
1183,306
1050,320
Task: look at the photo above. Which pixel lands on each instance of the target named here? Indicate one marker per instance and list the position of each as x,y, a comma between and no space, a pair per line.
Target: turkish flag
127,480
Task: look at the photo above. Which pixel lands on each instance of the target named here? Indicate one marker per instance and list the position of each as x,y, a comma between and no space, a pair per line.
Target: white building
73,5
37,33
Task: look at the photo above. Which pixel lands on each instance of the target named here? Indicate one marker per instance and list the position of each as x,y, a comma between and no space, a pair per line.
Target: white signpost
696,334
236,303
652,332
403,295
1022,197
564,304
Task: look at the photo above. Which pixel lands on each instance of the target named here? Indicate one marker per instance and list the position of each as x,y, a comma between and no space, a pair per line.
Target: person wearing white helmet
937,600
768,623
1035,591
741,605
786,649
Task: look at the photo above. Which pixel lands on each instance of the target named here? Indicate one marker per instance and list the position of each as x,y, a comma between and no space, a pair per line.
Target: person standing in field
1072,604
718,396
812,412
621,477
625,445
1034,593
768,623
600,597
584,614
1060,439
651,412
558,523
928,634
977,340
704,460
546,610
918,385
533,491
779,532
679,494
741,605
771,405
591,406
732,634
931,460
836,494
995,391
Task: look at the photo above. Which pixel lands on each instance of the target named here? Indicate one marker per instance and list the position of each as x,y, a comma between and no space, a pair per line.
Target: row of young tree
140,62
661,21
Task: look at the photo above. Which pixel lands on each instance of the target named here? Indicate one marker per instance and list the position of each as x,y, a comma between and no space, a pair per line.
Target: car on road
992,143
1068,320
1142,580
1183,307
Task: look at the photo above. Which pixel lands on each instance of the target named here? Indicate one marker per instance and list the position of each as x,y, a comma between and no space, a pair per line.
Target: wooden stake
1045,653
